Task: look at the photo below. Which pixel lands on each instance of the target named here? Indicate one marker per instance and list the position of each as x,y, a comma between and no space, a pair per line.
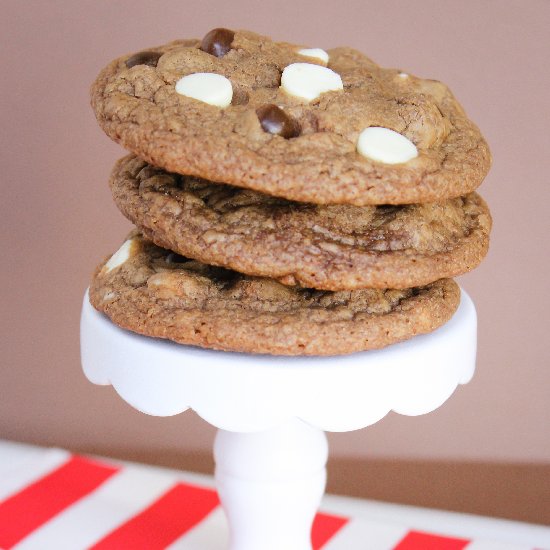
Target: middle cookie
329,247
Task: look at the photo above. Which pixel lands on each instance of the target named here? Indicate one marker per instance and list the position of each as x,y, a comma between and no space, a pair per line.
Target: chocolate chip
225,278
217,42
174,258
275,121
144,58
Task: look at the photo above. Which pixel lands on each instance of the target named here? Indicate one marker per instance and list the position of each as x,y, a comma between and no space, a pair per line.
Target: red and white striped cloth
50,499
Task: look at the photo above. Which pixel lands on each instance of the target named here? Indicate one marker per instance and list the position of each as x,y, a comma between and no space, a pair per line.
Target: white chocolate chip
316,53
403,75
210,88
120,256
385,145
109,296
309,81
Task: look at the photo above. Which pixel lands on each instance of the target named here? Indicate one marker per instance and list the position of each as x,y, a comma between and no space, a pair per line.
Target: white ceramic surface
246,393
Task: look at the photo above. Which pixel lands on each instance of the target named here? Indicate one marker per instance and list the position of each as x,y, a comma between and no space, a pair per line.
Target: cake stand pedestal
271,412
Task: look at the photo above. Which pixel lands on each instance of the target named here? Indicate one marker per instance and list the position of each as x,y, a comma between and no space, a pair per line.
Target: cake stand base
269,478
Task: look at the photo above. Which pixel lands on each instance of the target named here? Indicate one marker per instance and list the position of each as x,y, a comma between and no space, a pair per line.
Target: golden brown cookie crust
330,247
192,303
139,108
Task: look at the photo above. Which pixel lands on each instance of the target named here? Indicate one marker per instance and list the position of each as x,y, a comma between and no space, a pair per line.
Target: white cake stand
270,412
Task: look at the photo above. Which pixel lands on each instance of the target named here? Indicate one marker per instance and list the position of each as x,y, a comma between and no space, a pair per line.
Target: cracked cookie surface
155,292
312,155
331,247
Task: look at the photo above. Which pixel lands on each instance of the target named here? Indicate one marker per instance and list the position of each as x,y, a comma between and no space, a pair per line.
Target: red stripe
415,540
39,502
325,526
167,519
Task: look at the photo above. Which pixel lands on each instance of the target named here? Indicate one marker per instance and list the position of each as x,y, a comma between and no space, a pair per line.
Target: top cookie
307,125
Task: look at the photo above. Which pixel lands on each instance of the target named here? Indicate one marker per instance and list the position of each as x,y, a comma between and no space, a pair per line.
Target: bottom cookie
155,292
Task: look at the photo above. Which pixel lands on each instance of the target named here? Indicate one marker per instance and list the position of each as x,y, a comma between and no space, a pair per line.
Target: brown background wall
58,219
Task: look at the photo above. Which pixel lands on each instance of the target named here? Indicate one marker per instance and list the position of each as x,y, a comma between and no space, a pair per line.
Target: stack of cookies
287,200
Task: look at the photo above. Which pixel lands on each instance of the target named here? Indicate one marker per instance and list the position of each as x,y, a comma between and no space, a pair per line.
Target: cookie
155,292
299,123
330,247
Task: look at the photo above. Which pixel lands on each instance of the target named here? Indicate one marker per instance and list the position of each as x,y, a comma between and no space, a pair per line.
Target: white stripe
11,452
202,480
209,534
488,545
118,499
25,468
449,524
362,533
